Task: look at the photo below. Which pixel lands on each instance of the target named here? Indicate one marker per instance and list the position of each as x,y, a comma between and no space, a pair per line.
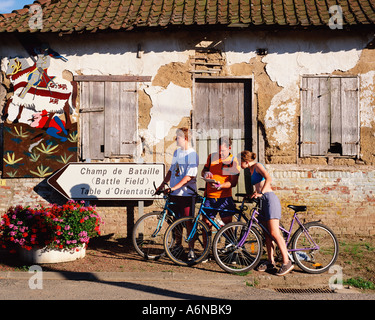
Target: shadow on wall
243,41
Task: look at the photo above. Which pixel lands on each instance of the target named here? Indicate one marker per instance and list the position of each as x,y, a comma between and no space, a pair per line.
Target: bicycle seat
297,208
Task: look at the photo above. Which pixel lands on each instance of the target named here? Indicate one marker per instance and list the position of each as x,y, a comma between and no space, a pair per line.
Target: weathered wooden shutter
109,117
350,116
315,124
344,114
92,120
329,116
121,114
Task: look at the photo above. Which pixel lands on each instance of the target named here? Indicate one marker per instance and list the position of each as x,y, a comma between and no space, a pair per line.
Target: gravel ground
118,255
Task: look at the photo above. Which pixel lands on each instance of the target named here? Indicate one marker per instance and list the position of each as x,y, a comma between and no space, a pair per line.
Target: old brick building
292,80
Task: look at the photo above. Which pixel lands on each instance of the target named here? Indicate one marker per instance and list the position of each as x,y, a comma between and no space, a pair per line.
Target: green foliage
361,283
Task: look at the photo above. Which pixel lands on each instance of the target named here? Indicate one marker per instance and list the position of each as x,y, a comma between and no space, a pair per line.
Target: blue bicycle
188,240
148,232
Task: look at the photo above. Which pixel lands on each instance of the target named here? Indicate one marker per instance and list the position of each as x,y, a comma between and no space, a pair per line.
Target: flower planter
52,255
71,224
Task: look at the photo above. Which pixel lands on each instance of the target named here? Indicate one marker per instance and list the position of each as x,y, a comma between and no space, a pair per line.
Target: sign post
108,181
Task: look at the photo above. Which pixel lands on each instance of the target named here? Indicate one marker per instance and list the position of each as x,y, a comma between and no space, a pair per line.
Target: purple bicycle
238,246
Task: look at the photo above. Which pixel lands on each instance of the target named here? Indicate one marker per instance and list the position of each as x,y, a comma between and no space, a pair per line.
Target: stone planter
52,255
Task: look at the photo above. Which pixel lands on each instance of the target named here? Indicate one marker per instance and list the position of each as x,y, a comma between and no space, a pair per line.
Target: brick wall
342,198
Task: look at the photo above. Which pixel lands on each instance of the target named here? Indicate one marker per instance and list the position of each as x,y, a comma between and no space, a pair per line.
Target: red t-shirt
222,170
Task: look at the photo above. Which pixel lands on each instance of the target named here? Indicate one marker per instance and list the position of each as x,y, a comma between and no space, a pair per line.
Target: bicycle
148,231
238,246
191,233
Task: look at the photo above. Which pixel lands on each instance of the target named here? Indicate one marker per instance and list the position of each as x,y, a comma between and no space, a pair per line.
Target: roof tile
91,15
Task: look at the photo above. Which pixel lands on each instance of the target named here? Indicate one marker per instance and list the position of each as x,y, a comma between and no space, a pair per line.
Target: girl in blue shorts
270,214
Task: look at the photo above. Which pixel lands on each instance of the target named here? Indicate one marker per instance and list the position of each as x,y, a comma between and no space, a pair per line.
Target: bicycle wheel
315,259
178,249
234,258
148,235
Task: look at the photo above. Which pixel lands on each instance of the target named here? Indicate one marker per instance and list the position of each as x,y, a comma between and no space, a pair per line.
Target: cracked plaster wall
168,99
279,75
302,56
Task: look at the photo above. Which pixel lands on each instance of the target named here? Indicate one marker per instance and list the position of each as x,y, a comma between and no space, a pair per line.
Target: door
222,107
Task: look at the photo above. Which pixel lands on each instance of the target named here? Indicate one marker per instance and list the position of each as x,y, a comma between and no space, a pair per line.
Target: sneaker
285,268
208,259
234,258
191,255
266,266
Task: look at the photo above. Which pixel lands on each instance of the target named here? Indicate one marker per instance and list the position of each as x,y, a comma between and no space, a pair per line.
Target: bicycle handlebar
165,192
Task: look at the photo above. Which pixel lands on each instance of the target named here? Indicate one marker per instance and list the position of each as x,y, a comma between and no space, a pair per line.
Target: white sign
109,181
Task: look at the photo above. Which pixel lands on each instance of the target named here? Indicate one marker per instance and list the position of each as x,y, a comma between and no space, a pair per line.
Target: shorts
219,204
271,207
182,206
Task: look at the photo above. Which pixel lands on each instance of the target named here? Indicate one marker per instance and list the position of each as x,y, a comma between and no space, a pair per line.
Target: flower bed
57,227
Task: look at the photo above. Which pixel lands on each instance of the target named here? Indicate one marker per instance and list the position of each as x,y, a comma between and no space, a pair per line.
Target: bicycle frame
212,221
165,211
295,218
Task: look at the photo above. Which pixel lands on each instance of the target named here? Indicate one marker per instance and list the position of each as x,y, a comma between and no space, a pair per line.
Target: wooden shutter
344,114
329,115
109,117
336,114
121,114
350,116
92,120
315,124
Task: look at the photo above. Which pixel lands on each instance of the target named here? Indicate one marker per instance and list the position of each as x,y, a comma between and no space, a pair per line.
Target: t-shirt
184,163
222,170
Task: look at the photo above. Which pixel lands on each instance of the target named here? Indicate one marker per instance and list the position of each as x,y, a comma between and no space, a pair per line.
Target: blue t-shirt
184,163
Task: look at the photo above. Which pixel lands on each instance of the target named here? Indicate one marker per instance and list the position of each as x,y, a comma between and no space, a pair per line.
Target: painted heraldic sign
109,181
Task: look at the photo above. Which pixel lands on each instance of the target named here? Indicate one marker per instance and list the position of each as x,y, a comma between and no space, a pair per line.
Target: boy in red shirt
224,168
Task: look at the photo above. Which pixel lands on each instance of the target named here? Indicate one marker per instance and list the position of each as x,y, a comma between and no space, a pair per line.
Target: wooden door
222,107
